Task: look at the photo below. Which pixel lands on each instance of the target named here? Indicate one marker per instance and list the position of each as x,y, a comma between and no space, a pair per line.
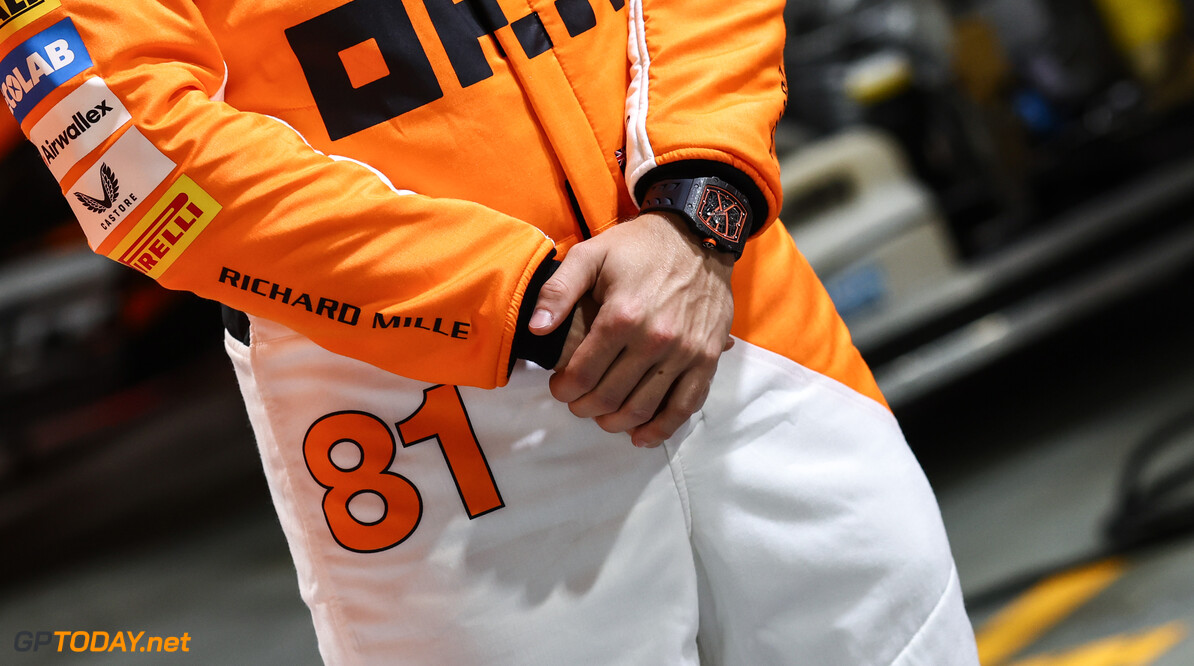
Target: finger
557,297
582,321
643,402
729,345
586,368
575,335
688,395
613,393
615,328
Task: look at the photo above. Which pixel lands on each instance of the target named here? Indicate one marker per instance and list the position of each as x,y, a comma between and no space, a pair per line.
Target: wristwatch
718,213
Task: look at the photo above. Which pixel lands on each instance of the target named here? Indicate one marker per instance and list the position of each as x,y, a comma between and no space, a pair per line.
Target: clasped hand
654,311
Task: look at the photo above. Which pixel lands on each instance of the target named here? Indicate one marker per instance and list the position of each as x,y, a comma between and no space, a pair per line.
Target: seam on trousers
317,563
941,601
675,465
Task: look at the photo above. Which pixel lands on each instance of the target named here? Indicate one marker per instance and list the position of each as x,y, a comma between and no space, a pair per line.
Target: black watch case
715,210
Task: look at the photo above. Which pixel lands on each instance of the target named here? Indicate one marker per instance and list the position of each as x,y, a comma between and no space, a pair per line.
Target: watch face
722,213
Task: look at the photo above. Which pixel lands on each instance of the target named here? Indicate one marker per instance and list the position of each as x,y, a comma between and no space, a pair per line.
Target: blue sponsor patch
39,65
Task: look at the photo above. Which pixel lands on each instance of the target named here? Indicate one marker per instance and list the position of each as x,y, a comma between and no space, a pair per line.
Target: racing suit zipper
585,232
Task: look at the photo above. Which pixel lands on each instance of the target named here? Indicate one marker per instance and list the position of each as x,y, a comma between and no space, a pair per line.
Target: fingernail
540,318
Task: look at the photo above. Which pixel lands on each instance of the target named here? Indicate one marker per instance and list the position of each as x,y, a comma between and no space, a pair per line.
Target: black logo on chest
365,64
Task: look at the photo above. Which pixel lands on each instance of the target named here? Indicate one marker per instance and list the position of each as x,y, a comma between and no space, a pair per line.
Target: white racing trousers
785,523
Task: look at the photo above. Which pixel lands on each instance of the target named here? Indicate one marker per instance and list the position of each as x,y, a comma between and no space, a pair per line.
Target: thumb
558,296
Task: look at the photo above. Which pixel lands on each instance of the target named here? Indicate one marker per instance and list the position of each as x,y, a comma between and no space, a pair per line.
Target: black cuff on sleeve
698,168
542,350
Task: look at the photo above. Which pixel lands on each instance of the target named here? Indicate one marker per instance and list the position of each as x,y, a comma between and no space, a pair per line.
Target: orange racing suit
393,180
389,178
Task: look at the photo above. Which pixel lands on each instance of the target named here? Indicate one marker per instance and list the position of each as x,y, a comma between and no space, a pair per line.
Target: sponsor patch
118,182
77,125
16,14
40,64
168,229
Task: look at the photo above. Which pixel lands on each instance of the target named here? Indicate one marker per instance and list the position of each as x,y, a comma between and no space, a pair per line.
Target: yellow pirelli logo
168,229
16,14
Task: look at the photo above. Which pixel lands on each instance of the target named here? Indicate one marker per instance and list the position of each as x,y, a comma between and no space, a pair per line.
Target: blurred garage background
999,195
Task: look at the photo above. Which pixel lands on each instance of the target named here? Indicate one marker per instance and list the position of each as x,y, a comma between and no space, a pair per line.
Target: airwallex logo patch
40,64
77,125
81,122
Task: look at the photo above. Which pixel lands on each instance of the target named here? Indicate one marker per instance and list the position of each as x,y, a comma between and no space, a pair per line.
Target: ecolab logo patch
77,125
40,64
122,178
169,228
16,14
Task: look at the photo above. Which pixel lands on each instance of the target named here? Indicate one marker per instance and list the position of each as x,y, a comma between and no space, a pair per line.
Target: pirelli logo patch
16,14
169,228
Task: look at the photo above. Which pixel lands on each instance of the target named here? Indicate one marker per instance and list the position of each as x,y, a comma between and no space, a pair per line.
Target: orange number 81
440,417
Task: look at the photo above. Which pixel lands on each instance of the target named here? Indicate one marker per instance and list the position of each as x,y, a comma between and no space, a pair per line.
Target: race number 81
370,508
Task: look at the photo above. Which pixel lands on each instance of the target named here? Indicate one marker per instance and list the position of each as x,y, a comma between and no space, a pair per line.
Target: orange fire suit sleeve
707,91
236,206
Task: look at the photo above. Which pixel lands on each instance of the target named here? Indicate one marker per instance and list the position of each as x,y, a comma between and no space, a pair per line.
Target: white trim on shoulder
219,95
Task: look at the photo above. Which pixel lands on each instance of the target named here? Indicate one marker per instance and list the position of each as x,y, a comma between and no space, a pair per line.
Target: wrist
677,227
